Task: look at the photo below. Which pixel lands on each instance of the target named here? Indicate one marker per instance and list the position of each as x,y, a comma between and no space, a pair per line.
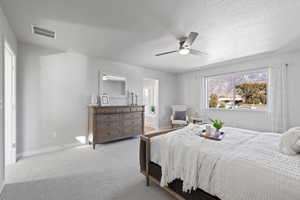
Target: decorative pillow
296,128
290,141
180,115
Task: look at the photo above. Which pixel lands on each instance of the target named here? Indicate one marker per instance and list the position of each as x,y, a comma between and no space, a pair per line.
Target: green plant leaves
218,124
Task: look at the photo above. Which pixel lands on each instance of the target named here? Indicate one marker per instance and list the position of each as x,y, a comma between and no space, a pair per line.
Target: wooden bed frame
152,172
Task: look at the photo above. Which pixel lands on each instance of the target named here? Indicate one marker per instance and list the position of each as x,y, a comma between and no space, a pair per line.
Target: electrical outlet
54,134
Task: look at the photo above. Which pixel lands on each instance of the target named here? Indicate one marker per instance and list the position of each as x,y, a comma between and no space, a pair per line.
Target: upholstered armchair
179,116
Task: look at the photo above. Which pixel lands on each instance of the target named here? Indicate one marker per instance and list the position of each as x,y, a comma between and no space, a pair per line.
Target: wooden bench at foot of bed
152,172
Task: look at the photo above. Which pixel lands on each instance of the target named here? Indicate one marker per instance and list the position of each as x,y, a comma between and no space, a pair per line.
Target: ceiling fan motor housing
183,44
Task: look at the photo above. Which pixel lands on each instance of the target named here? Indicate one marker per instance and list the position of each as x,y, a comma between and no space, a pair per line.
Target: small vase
208,130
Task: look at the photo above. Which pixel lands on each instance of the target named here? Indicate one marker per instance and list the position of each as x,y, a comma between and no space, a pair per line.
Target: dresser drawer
108,125
107,117
106,110
137,109
131,122
132,115
107,130
106,134
131,127
123,109
132,131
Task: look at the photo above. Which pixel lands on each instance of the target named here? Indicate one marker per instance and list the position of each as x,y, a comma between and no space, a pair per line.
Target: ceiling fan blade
197,52
192,37
161,54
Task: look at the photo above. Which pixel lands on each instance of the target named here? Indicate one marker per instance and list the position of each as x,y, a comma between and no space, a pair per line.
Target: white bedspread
245,165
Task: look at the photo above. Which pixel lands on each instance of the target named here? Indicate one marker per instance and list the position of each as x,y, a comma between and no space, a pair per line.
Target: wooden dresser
106,124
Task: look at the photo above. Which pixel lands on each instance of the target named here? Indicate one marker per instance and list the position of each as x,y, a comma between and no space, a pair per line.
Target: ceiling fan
185,44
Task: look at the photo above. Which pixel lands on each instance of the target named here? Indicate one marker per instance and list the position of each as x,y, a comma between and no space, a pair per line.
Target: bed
244,165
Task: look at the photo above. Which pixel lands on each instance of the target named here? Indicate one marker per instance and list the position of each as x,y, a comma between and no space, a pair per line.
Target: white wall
190,91
54,89
5,34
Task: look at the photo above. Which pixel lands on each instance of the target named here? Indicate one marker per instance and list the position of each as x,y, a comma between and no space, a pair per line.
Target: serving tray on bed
211,137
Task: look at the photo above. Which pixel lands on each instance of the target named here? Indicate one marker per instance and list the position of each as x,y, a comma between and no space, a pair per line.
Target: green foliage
222,105
218,124
152,109
253,93
213,101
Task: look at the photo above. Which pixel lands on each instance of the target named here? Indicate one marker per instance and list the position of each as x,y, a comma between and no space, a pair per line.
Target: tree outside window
246,90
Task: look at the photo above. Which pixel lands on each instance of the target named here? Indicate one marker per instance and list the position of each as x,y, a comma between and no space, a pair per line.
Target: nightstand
196,120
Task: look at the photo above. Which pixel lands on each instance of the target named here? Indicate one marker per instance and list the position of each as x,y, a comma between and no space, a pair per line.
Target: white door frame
9,104
156,101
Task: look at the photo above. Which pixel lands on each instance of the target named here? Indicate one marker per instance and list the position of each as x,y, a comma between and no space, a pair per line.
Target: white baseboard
46,150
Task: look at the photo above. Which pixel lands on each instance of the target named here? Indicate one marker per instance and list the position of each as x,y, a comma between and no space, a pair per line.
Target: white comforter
245,165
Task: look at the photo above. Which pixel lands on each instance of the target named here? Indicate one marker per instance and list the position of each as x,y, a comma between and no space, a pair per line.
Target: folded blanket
290,142
186,156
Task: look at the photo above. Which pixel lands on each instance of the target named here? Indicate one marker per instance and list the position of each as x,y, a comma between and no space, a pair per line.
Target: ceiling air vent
43,32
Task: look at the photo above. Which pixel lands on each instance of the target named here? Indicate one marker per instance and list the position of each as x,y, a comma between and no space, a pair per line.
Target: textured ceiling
132,31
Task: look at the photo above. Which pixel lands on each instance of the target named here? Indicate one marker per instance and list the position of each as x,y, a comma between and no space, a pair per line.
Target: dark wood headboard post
148,154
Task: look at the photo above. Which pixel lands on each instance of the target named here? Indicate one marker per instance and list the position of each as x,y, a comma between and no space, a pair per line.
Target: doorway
151,102
9,104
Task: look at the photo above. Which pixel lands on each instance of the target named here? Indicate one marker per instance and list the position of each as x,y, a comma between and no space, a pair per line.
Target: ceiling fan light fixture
185,44
184,51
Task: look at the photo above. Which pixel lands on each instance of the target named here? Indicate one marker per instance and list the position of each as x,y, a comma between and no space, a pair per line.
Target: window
245,90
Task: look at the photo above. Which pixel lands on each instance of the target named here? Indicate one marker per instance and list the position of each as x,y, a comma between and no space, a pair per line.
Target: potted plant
217,124
152,109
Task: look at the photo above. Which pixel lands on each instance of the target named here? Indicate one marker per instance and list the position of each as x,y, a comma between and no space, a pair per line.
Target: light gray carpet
111,172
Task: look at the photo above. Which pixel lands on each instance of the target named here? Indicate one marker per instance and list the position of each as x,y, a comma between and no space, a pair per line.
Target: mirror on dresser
113,86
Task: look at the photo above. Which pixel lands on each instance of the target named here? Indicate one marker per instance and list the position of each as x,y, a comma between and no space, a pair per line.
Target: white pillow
296,128
290,142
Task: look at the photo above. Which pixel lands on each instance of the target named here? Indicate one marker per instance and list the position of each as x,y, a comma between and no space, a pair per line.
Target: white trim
2,117
46,150
10,138
238,72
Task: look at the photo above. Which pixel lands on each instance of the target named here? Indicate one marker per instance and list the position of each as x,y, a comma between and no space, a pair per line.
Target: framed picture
104,100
